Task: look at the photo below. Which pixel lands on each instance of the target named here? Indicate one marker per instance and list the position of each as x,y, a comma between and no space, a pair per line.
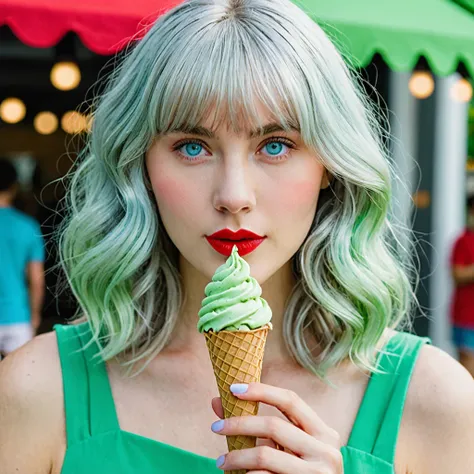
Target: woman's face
267,184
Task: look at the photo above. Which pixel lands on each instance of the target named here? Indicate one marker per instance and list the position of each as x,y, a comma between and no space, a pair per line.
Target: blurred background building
418,55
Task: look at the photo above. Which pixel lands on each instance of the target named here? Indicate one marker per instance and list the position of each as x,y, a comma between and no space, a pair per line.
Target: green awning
467,4
400,31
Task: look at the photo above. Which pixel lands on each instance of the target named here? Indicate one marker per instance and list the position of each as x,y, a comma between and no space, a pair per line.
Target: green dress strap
88,401
378,421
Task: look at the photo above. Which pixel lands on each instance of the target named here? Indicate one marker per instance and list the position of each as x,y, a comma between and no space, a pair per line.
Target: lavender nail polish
238,388
217,426
220,461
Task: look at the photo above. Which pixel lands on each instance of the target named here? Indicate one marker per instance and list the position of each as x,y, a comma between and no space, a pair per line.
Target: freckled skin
236,184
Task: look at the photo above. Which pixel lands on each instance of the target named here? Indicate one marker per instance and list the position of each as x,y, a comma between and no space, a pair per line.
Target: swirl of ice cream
233,301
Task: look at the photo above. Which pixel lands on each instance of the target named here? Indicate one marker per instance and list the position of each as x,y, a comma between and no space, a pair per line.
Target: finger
264,459
292,406
270,427
272,444
217,407
266,442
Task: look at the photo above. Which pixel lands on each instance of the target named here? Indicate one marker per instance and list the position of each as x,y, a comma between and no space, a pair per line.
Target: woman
462,304
236,114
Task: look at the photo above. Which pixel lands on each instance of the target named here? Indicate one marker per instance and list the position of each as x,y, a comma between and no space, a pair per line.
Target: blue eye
192,149
274,148
279,148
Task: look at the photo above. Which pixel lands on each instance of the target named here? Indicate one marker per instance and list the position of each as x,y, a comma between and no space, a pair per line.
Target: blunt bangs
210,79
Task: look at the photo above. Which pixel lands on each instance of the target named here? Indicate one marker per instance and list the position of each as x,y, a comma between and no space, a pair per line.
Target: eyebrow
259,132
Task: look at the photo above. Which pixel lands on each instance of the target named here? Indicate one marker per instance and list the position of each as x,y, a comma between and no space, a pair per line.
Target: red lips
224,240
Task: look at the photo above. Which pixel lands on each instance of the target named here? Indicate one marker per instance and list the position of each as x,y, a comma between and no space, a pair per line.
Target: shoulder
31,406
33,365
22,216
440,383
25,221
439,414
33,224
462,239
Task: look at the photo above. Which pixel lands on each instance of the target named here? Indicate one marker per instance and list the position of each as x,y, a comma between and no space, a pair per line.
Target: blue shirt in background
21,242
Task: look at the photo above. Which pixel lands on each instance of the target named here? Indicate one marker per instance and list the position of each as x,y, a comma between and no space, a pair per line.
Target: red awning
104,26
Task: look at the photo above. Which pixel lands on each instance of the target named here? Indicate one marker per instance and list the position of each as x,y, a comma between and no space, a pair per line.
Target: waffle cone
237,357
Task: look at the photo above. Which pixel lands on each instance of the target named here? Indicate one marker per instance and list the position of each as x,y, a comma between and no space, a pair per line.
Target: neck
5,200
276,290
470,221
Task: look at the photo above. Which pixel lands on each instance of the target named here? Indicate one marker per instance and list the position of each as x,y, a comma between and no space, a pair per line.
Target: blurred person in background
462,264
21,267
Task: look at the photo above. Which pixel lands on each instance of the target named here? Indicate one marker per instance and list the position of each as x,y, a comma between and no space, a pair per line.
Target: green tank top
97,445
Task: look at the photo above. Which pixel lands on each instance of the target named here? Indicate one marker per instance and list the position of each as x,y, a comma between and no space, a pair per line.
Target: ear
327,179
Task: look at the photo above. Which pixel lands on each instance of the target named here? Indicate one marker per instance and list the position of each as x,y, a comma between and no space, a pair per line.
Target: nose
234,192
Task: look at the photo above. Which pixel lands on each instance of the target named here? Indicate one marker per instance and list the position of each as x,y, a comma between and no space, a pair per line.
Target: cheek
298,196
174,197
175,192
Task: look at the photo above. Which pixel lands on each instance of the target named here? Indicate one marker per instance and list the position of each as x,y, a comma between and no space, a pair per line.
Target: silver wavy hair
120,263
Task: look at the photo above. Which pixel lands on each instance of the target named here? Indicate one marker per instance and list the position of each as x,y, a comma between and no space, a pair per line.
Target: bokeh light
65,75
461,91
45,123
421,84
73,122
12,110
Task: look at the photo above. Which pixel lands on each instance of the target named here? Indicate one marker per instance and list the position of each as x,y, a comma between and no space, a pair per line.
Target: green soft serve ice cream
233,299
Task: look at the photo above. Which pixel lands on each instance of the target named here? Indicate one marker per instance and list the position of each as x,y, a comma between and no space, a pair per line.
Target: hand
311,447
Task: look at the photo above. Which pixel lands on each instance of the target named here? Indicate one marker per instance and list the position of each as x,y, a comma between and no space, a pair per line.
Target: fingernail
220,461
239,388
217,426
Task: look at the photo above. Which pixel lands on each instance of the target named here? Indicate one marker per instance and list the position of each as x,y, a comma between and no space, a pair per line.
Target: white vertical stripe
404,126
448,204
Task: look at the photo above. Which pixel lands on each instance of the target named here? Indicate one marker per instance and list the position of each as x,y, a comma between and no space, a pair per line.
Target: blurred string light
45,123
421,84
12,110
74,122
461,91
65,75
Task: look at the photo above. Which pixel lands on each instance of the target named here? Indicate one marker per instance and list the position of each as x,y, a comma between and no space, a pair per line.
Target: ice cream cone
237,357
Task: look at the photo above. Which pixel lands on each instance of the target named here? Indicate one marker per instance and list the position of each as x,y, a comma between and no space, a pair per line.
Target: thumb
217,407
